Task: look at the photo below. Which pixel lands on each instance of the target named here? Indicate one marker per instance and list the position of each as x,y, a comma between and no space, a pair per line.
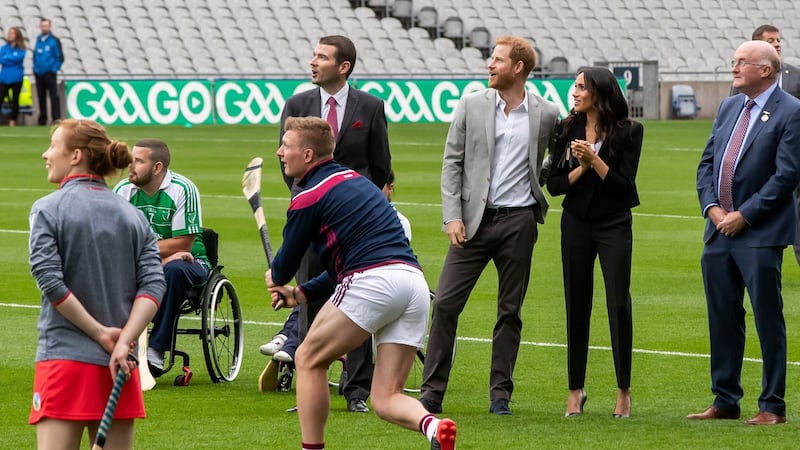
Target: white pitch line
483,340
411,204
19,305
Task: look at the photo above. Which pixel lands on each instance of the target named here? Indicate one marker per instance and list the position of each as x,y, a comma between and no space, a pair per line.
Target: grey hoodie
91,242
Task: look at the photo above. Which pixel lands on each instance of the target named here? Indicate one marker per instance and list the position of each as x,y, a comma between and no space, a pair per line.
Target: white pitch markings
411,204
19,305
480,340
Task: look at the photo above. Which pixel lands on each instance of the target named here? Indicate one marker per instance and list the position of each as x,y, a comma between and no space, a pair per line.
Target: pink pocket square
356,124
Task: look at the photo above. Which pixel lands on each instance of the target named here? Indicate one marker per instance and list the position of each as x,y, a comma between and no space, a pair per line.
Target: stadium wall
708,95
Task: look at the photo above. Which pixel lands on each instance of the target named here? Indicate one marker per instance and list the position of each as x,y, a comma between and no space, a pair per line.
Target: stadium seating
154,38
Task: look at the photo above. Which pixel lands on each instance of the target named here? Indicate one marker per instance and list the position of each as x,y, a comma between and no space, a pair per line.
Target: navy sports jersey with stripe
347,221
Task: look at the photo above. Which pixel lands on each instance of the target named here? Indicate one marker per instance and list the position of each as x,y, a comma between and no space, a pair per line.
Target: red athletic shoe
445,437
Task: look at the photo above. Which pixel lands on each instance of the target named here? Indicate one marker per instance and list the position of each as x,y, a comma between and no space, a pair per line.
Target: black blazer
592,197
363,141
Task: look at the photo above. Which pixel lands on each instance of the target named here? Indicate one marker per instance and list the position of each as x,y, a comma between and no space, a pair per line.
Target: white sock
428,426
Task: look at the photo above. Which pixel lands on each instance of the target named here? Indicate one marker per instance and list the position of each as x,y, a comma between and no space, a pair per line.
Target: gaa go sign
135,102
189,102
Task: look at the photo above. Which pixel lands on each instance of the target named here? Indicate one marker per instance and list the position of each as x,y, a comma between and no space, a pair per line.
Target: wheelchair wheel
336,373
414,380
222,332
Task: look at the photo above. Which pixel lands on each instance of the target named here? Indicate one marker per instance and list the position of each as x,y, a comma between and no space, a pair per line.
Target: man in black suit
362,144
745,179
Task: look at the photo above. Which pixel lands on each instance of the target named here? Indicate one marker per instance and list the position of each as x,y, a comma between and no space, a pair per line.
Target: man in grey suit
789,81
362,144
491,203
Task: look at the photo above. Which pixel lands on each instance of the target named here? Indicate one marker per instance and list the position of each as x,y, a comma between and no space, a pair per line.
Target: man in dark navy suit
789,81
745,180
362,144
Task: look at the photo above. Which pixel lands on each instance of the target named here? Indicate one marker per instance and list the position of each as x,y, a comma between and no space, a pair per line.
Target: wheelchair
221,325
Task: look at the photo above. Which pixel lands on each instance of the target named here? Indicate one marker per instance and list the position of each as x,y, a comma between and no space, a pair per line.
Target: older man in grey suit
491,203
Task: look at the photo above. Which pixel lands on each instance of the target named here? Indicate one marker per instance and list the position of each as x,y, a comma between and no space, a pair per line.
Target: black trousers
13,99
507,240
582,241
47,84
360,367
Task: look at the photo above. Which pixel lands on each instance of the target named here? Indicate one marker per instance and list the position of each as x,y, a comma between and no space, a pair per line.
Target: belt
504,211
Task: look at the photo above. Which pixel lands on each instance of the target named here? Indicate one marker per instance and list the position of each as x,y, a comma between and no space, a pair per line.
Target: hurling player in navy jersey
372,285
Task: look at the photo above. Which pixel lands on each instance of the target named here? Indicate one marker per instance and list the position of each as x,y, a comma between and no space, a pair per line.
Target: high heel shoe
617,415
583,402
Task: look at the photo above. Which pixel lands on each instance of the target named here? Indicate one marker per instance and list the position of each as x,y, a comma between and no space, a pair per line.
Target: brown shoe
714,413
766,418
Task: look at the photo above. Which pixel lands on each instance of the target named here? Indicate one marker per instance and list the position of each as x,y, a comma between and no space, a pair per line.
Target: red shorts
72,390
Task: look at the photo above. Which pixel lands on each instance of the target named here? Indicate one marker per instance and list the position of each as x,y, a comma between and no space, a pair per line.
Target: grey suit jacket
468,153
790,81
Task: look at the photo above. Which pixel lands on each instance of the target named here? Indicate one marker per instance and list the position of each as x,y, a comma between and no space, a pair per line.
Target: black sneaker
500,407
432,406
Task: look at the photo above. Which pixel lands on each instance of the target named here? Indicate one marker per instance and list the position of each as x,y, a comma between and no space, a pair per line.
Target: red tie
333,119
729,160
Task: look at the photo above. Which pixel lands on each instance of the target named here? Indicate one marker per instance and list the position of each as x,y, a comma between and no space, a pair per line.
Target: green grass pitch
670,367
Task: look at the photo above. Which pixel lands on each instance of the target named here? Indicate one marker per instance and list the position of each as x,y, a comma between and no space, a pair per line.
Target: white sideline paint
485,340
285,200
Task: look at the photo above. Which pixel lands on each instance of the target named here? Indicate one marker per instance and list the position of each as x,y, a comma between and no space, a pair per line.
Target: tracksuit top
90,242
11,58
47,55
347,221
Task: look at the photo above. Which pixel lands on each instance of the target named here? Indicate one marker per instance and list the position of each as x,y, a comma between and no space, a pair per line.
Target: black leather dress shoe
432,406
357,405
500,407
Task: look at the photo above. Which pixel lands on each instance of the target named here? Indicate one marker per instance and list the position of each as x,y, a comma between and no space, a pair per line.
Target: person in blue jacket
47,60
12,55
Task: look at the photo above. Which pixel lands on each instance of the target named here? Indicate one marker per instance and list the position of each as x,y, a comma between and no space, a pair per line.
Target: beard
501,81
140,179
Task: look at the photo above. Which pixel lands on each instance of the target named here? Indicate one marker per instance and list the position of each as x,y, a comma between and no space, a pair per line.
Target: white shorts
391,302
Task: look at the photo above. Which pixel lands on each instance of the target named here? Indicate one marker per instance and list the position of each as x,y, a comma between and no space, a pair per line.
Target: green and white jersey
173,211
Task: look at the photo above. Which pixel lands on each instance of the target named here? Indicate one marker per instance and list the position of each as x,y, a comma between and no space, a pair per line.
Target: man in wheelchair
171,203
